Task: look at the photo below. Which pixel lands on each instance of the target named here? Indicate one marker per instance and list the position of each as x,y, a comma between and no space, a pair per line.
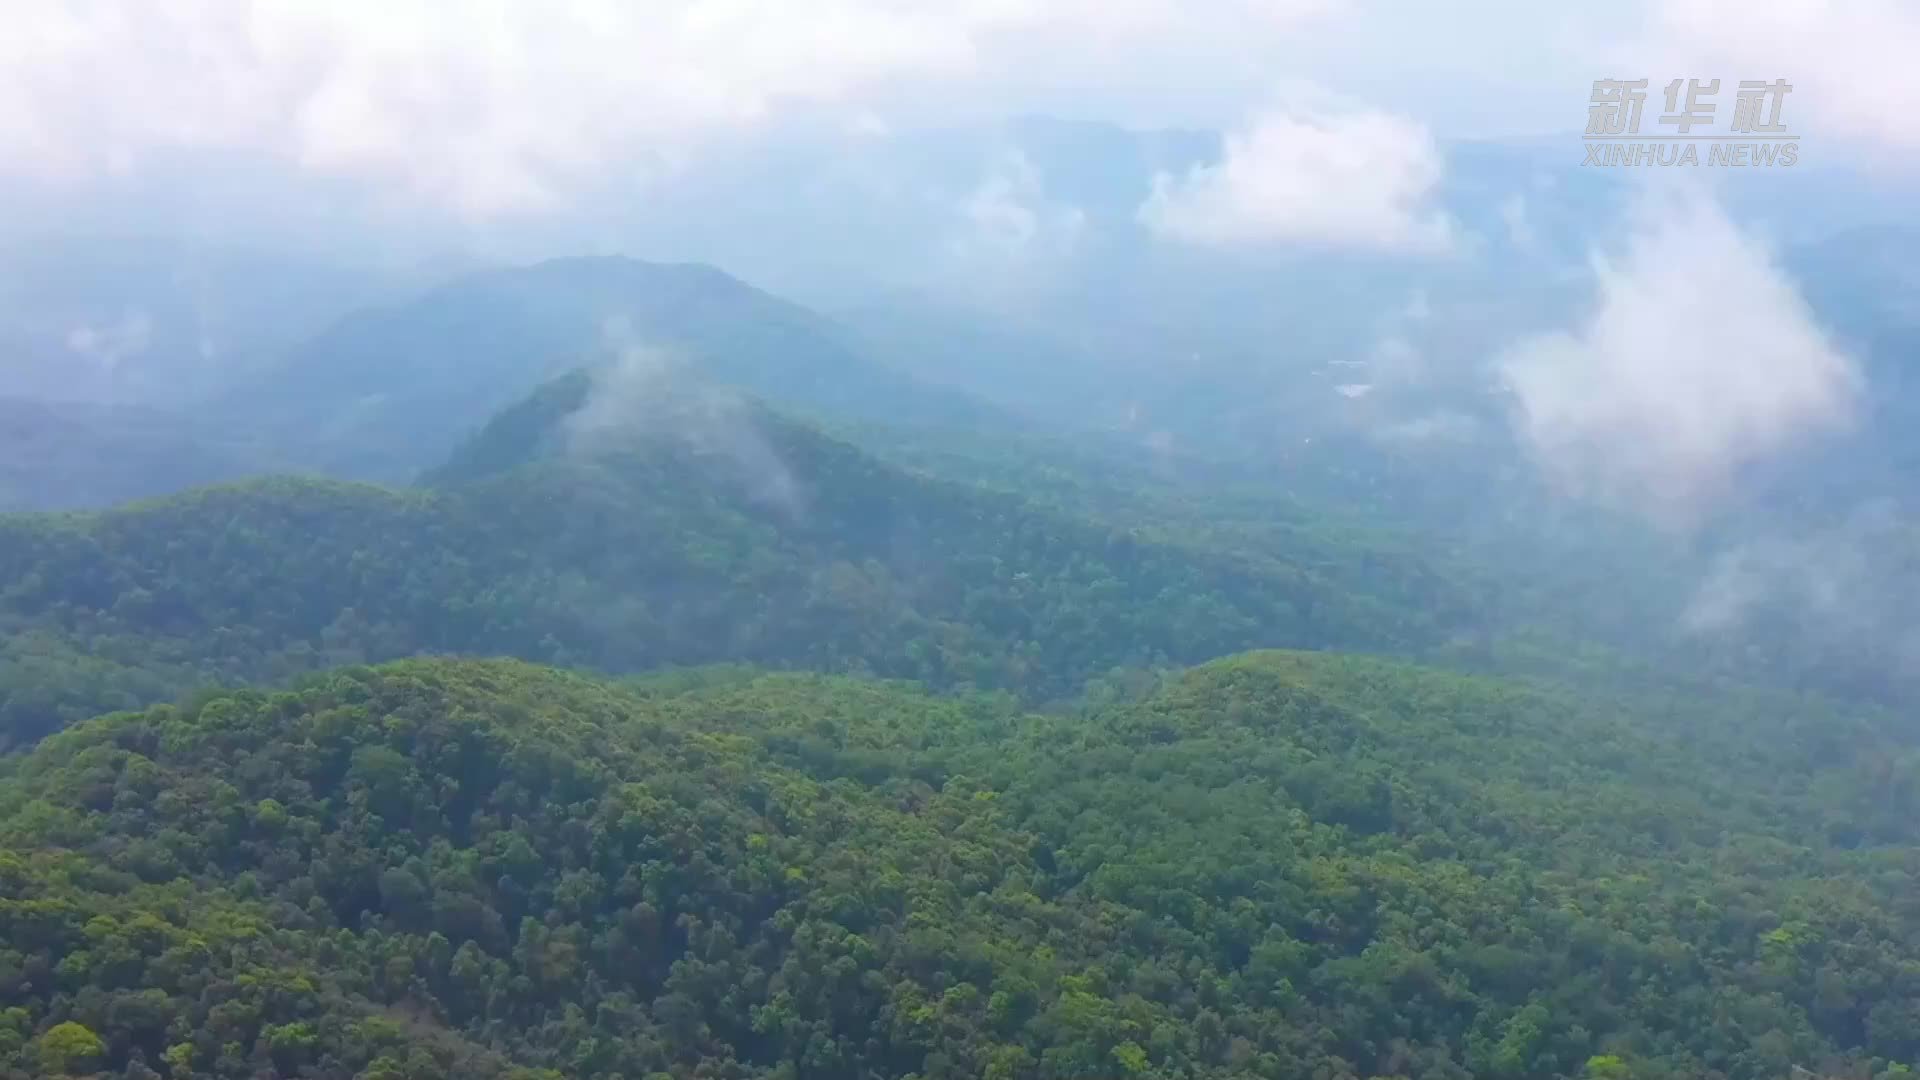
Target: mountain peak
388,392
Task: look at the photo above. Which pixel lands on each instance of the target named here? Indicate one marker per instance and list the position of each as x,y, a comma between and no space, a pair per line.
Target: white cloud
515,104
1850,61
1699,356
1350,178
1396,361
511,104
106,345
1009,217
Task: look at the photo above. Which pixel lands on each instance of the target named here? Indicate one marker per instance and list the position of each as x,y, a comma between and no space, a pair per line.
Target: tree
1607,1067
69,1048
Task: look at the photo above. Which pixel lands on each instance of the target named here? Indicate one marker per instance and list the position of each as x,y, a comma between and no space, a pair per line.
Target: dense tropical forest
959,540
689,719
1280,864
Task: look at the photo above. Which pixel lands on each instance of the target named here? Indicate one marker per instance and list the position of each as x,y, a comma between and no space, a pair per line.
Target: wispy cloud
1699,356
108,344
1008,217
1513,214
647,396
1841,593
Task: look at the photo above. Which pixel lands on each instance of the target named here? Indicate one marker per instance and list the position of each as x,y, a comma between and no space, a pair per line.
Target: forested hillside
716,531
1281,865
1789,593
987,540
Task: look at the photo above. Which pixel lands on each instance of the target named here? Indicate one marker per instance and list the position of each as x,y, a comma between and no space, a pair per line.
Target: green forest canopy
1280,864
1293,864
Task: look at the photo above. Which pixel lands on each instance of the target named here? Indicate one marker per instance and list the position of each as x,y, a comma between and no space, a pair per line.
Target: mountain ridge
771,542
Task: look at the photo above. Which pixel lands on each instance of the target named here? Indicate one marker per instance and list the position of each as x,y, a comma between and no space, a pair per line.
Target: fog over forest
1044,539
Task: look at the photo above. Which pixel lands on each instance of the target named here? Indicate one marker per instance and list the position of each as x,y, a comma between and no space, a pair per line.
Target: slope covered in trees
1280,865
1803,596
699,528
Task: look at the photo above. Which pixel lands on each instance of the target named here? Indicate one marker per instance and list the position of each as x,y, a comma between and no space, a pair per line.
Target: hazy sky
504,107
1372,215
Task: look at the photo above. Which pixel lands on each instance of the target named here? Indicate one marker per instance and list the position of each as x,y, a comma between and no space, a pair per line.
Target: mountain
1279,864
71,455
116,319
631,519
388,392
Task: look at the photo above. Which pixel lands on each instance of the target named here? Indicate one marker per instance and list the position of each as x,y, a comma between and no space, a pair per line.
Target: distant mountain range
75,454
390,391
155,323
